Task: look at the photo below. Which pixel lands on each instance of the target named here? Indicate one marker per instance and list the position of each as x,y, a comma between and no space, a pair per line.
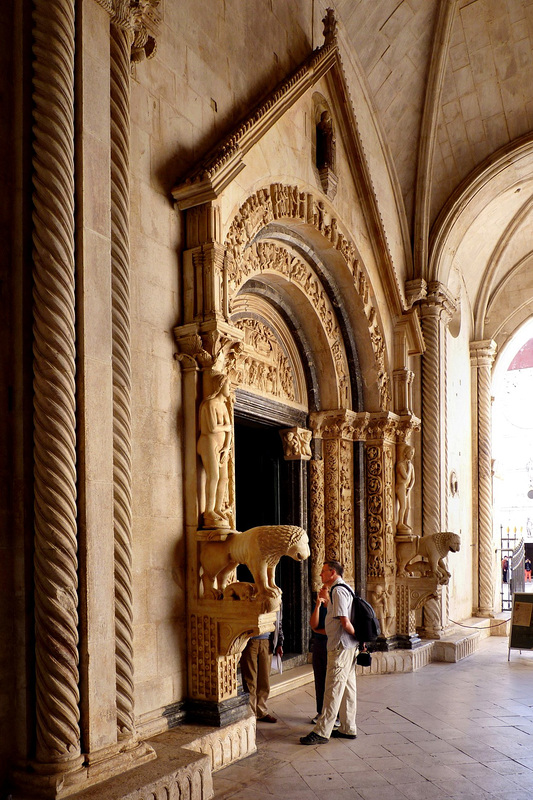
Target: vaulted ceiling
452,86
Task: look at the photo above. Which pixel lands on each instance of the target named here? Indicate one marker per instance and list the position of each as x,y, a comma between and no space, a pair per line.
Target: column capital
140,19
483,352
438,302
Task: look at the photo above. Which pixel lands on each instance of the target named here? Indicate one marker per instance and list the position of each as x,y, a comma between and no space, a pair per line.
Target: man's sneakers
267,718
313,738
340,735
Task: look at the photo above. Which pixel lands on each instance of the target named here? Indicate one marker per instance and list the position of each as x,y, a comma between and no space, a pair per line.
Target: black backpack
366,624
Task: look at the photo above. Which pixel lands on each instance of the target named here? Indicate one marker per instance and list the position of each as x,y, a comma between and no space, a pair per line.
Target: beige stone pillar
482,355
436,310
56,583
120,52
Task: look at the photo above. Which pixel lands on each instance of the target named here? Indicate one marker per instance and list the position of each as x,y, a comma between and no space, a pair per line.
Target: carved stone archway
261,308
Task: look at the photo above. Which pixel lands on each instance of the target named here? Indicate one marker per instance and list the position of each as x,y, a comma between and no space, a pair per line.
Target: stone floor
461,730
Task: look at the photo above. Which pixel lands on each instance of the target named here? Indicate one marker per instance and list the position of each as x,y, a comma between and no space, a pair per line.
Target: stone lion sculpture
260,549
434,548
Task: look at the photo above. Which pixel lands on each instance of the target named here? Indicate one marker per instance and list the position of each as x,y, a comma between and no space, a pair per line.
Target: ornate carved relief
268,257
205,682
296,444
261,364
316,503
282,201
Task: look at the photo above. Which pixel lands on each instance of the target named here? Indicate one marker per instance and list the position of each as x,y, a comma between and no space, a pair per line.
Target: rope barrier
478,628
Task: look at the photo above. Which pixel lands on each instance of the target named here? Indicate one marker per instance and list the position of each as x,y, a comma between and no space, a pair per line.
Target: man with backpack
340,691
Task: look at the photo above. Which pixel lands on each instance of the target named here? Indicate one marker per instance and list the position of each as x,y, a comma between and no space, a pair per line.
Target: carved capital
438,302
140,18
296,444
483,353
415,290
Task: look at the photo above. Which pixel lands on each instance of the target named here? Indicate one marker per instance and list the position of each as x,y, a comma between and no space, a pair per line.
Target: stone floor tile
404,775
508,766
423,790
476,744
377,793
385,763
326,783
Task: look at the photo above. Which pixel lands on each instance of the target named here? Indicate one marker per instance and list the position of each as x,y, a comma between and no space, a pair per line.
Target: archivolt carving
268,257
282,201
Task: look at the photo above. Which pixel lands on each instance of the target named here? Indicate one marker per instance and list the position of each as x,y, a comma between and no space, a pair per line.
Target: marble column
482,355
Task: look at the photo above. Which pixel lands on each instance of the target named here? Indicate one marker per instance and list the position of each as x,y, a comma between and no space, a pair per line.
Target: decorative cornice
209,179
362,426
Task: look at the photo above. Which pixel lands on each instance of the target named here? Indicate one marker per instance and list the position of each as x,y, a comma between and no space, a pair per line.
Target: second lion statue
260,549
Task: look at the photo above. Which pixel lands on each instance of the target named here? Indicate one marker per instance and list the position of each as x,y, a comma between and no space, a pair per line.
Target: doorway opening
272,491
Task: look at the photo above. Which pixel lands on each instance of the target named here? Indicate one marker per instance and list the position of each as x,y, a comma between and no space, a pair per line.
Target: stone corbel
296,444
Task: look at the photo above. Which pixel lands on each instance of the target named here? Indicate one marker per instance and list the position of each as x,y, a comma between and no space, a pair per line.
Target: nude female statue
214,444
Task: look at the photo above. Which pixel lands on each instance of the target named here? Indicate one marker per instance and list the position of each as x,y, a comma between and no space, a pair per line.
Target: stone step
186,757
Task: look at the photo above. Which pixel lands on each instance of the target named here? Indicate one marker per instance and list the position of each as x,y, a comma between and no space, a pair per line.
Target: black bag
366,624
364,658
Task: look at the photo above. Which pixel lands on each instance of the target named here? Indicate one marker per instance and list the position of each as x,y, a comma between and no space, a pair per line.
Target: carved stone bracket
296,444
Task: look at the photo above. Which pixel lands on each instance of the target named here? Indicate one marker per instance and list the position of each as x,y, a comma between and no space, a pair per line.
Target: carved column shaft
56,582
317,538
436,310
121,358
338,503
482,355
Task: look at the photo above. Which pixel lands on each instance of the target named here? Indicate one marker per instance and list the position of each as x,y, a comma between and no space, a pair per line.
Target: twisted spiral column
121,360
436,311
482,355
56,583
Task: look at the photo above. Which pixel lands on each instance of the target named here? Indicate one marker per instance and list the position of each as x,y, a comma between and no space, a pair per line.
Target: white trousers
340,693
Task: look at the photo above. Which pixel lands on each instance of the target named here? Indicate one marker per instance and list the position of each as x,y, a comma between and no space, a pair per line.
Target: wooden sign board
521,633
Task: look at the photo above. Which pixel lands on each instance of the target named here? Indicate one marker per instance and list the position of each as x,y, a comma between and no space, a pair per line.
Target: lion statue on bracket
412,555
260,549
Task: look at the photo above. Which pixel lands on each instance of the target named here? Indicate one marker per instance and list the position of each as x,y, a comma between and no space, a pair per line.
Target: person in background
527,569
340,692
505,569
319,650
256,661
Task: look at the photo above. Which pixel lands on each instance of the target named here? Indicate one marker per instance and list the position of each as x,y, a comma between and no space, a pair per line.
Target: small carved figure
240,590
434,548
260,549
405,478
325,142
214,444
